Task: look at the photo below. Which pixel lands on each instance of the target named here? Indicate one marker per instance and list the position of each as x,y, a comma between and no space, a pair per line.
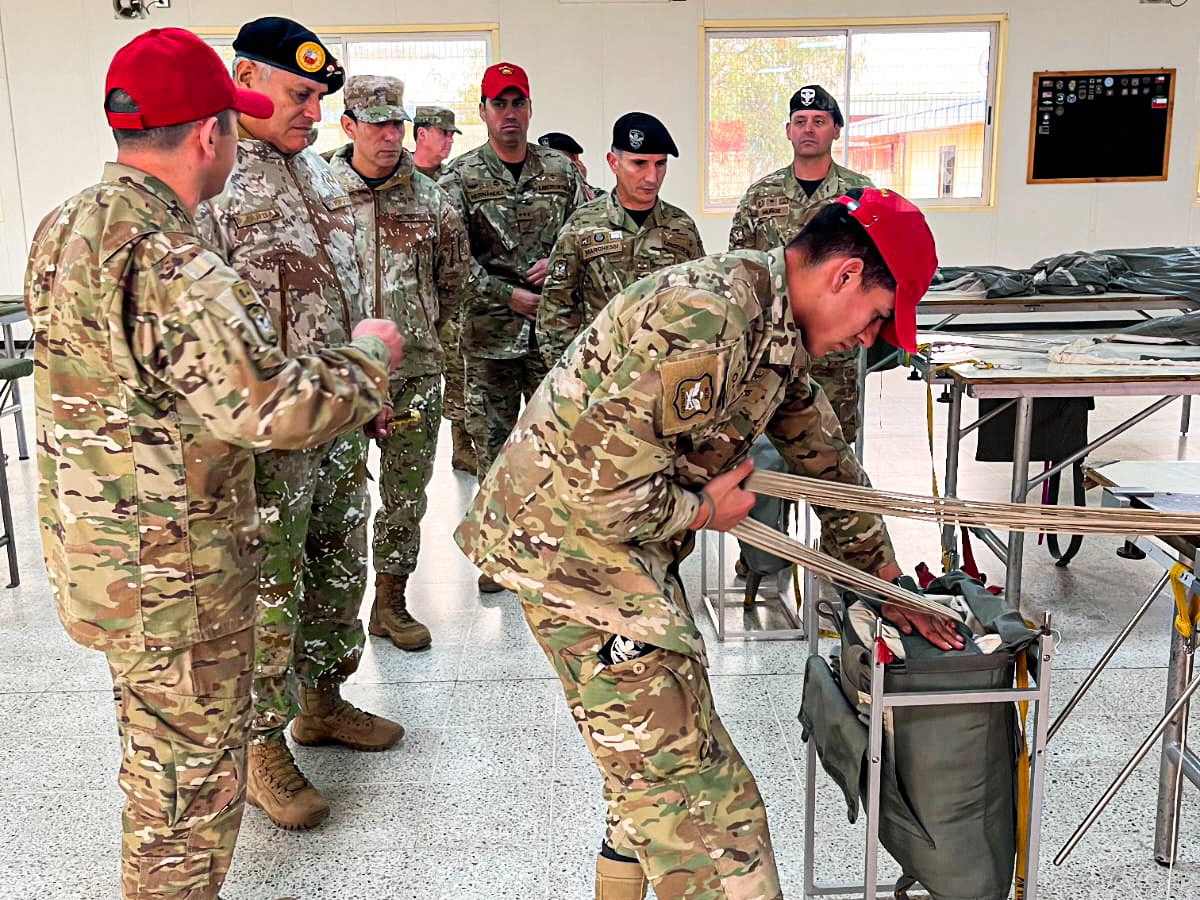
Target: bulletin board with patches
1078,116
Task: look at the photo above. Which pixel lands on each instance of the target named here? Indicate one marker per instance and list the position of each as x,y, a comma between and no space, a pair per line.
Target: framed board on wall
1100,125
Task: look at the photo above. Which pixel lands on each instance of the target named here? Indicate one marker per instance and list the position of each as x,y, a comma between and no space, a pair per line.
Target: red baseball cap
174,77
504,75
899,231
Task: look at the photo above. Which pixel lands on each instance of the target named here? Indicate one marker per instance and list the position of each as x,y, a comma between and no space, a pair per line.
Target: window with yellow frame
437,68
918,102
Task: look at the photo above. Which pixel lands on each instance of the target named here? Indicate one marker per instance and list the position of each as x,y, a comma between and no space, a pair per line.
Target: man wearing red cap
638,438
514,197
158,375
287,225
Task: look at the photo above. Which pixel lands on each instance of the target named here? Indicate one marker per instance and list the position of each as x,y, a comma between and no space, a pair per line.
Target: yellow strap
1187,614
1022,782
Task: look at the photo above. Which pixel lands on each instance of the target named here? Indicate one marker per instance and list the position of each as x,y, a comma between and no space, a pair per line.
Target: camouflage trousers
453,405
183,718
837,374
495,389
313,510
675,786
406,464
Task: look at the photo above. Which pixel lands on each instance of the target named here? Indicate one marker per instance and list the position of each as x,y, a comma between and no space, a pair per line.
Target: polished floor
491,794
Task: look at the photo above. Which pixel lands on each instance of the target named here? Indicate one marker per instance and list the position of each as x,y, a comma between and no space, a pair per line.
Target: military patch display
689,388
602,243
482,191
618,649
257,217
770,207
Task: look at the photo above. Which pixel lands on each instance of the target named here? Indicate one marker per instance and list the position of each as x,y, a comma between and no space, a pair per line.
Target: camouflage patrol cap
436,117
376,98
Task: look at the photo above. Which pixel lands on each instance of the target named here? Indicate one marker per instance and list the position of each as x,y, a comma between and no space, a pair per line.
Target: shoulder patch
690,383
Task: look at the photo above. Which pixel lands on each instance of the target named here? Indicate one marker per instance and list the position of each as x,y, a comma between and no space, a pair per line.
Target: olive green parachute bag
947,809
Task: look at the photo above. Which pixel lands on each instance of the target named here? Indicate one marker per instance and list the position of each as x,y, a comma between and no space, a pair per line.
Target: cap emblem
309,56
637,137
807,96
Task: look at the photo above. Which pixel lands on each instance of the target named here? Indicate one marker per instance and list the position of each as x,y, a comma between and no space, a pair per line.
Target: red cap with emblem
504,75
899,231
174,77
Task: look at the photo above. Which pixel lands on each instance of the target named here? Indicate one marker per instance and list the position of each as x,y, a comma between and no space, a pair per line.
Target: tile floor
491,794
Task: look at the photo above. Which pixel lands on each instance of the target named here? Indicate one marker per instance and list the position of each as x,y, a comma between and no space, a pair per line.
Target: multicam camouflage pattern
589,502
157,374
433,173
375,98
286,224
183,718
413,253
773,211
453,403
511,226
674,784
314,509
405,467
492,397
144,547
288,227
599,253
436,117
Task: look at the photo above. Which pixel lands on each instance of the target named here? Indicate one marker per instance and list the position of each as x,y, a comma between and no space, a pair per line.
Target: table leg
1185,417
10,350
861,376
1020,490
953,442
1179,673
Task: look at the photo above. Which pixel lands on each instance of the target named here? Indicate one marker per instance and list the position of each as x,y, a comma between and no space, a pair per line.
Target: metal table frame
1176,760
952,305
1039,699
1022,394
10,396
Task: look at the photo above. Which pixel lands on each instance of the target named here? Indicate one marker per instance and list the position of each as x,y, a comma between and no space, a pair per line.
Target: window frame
997,24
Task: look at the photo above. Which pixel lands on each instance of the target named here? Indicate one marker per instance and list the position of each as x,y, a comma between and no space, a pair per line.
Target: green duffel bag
948,783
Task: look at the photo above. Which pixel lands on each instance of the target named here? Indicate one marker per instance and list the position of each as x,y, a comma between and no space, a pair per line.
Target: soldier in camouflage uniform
778,205
286,224
613,241
158,373
513,197
638,438
572,150
413,251
434,130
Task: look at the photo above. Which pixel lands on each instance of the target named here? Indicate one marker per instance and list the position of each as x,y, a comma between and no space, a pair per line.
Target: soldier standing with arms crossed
158,374
514,197
286,225
637,439
413,252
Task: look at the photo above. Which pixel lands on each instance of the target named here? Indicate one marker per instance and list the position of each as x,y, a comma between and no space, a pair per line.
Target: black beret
813,96
290,46
556,140
638,132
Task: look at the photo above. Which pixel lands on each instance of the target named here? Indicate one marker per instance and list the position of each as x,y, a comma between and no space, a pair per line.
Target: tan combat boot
326,718
390,617
488,586
619,880
463,457
277,786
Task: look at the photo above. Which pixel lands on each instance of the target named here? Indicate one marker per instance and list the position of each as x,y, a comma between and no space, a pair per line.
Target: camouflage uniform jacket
588,504
412,249
775,207
435,173
600,252
285,224
511,226
157,374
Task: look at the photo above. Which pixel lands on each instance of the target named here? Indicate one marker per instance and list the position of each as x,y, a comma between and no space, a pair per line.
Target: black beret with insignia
638,132
564,143
813,97
290,46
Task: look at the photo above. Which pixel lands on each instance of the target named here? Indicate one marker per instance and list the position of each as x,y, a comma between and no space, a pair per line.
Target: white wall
591,60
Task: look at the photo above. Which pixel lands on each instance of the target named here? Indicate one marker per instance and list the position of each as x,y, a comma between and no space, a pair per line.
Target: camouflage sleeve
451,271
208,223
203,332
618,458
560,312
482,292
698,250
741,232
582,195
806,432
